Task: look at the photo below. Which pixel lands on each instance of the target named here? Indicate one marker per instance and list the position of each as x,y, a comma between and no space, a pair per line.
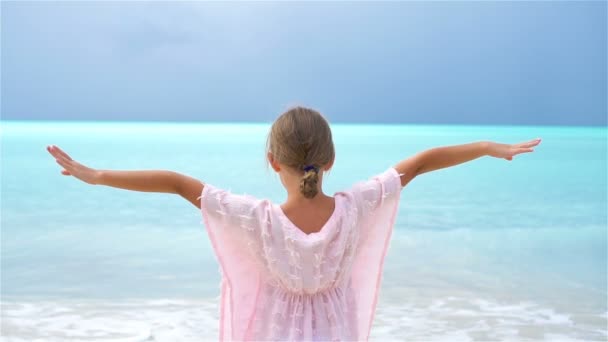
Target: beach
488,250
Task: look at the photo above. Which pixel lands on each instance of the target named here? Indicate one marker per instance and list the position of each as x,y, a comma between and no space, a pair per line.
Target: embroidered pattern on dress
246,217
284,290
296,281
298,310
221,211
249,228
269,255
370,205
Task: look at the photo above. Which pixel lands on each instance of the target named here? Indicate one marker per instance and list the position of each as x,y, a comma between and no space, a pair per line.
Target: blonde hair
300,137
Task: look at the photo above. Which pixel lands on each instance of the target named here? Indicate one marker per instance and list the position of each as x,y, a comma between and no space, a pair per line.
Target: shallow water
488,250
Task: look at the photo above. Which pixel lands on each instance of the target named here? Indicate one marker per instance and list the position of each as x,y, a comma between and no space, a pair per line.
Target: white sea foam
465,319
460,266
445,319
153,320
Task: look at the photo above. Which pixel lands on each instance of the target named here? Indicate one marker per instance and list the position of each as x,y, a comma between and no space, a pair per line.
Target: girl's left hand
507,151
72,167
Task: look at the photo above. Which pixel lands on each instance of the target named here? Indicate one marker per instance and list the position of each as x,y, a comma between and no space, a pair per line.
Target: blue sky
449,62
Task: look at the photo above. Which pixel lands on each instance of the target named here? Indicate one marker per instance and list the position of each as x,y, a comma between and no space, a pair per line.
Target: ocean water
487,250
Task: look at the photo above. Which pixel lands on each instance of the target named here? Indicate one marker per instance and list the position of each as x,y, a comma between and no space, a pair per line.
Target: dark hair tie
311,167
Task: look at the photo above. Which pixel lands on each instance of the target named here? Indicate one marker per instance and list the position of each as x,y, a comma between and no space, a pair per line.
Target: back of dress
279,283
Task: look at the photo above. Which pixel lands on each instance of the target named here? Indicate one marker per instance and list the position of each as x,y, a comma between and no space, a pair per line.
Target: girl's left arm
145,180
448,156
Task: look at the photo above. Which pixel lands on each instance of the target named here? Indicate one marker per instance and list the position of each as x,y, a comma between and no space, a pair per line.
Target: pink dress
281,284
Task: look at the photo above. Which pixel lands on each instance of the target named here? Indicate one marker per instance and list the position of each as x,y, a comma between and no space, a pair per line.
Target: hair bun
308,183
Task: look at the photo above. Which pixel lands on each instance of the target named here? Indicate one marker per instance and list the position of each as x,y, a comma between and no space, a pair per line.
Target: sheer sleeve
380,190
376,201
242,213
234,224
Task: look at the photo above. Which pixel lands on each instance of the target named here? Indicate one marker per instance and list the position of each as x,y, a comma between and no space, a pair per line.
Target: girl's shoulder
387,181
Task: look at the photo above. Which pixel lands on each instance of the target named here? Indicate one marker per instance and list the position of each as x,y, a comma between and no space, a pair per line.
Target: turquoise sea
487,250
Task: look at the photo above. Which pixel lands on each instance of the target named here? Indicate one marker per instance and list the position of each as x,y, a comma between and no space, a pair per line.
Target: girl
310,268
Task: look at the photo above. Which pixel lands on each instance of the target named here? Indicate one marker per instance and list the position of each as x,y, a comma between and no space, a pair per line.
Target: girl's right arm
446,156
135,180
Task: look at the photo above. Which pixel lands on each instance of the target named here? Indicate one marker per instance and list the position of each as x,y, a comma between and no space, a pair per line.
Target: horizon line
342,123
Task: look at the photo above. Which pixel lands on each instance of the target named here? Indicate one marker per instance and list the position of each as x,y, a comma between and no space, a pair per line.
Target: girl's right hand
72,167
507,151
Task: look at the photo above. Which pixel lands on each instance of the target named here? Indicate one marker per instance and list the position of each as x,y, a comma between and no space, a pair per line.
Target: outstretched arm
446,156
145,180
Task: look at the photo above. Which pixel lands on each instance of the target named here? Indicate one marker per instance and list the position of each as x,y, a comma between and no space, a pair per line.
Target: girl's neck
296,198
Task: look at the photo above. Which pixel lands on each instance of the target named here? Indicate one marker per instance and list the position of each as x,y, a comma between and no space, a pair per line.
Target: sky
448,62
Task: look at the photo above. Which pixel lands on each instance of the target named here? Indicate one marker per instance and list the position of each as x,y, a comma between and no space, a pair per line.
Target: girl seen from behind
309,269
